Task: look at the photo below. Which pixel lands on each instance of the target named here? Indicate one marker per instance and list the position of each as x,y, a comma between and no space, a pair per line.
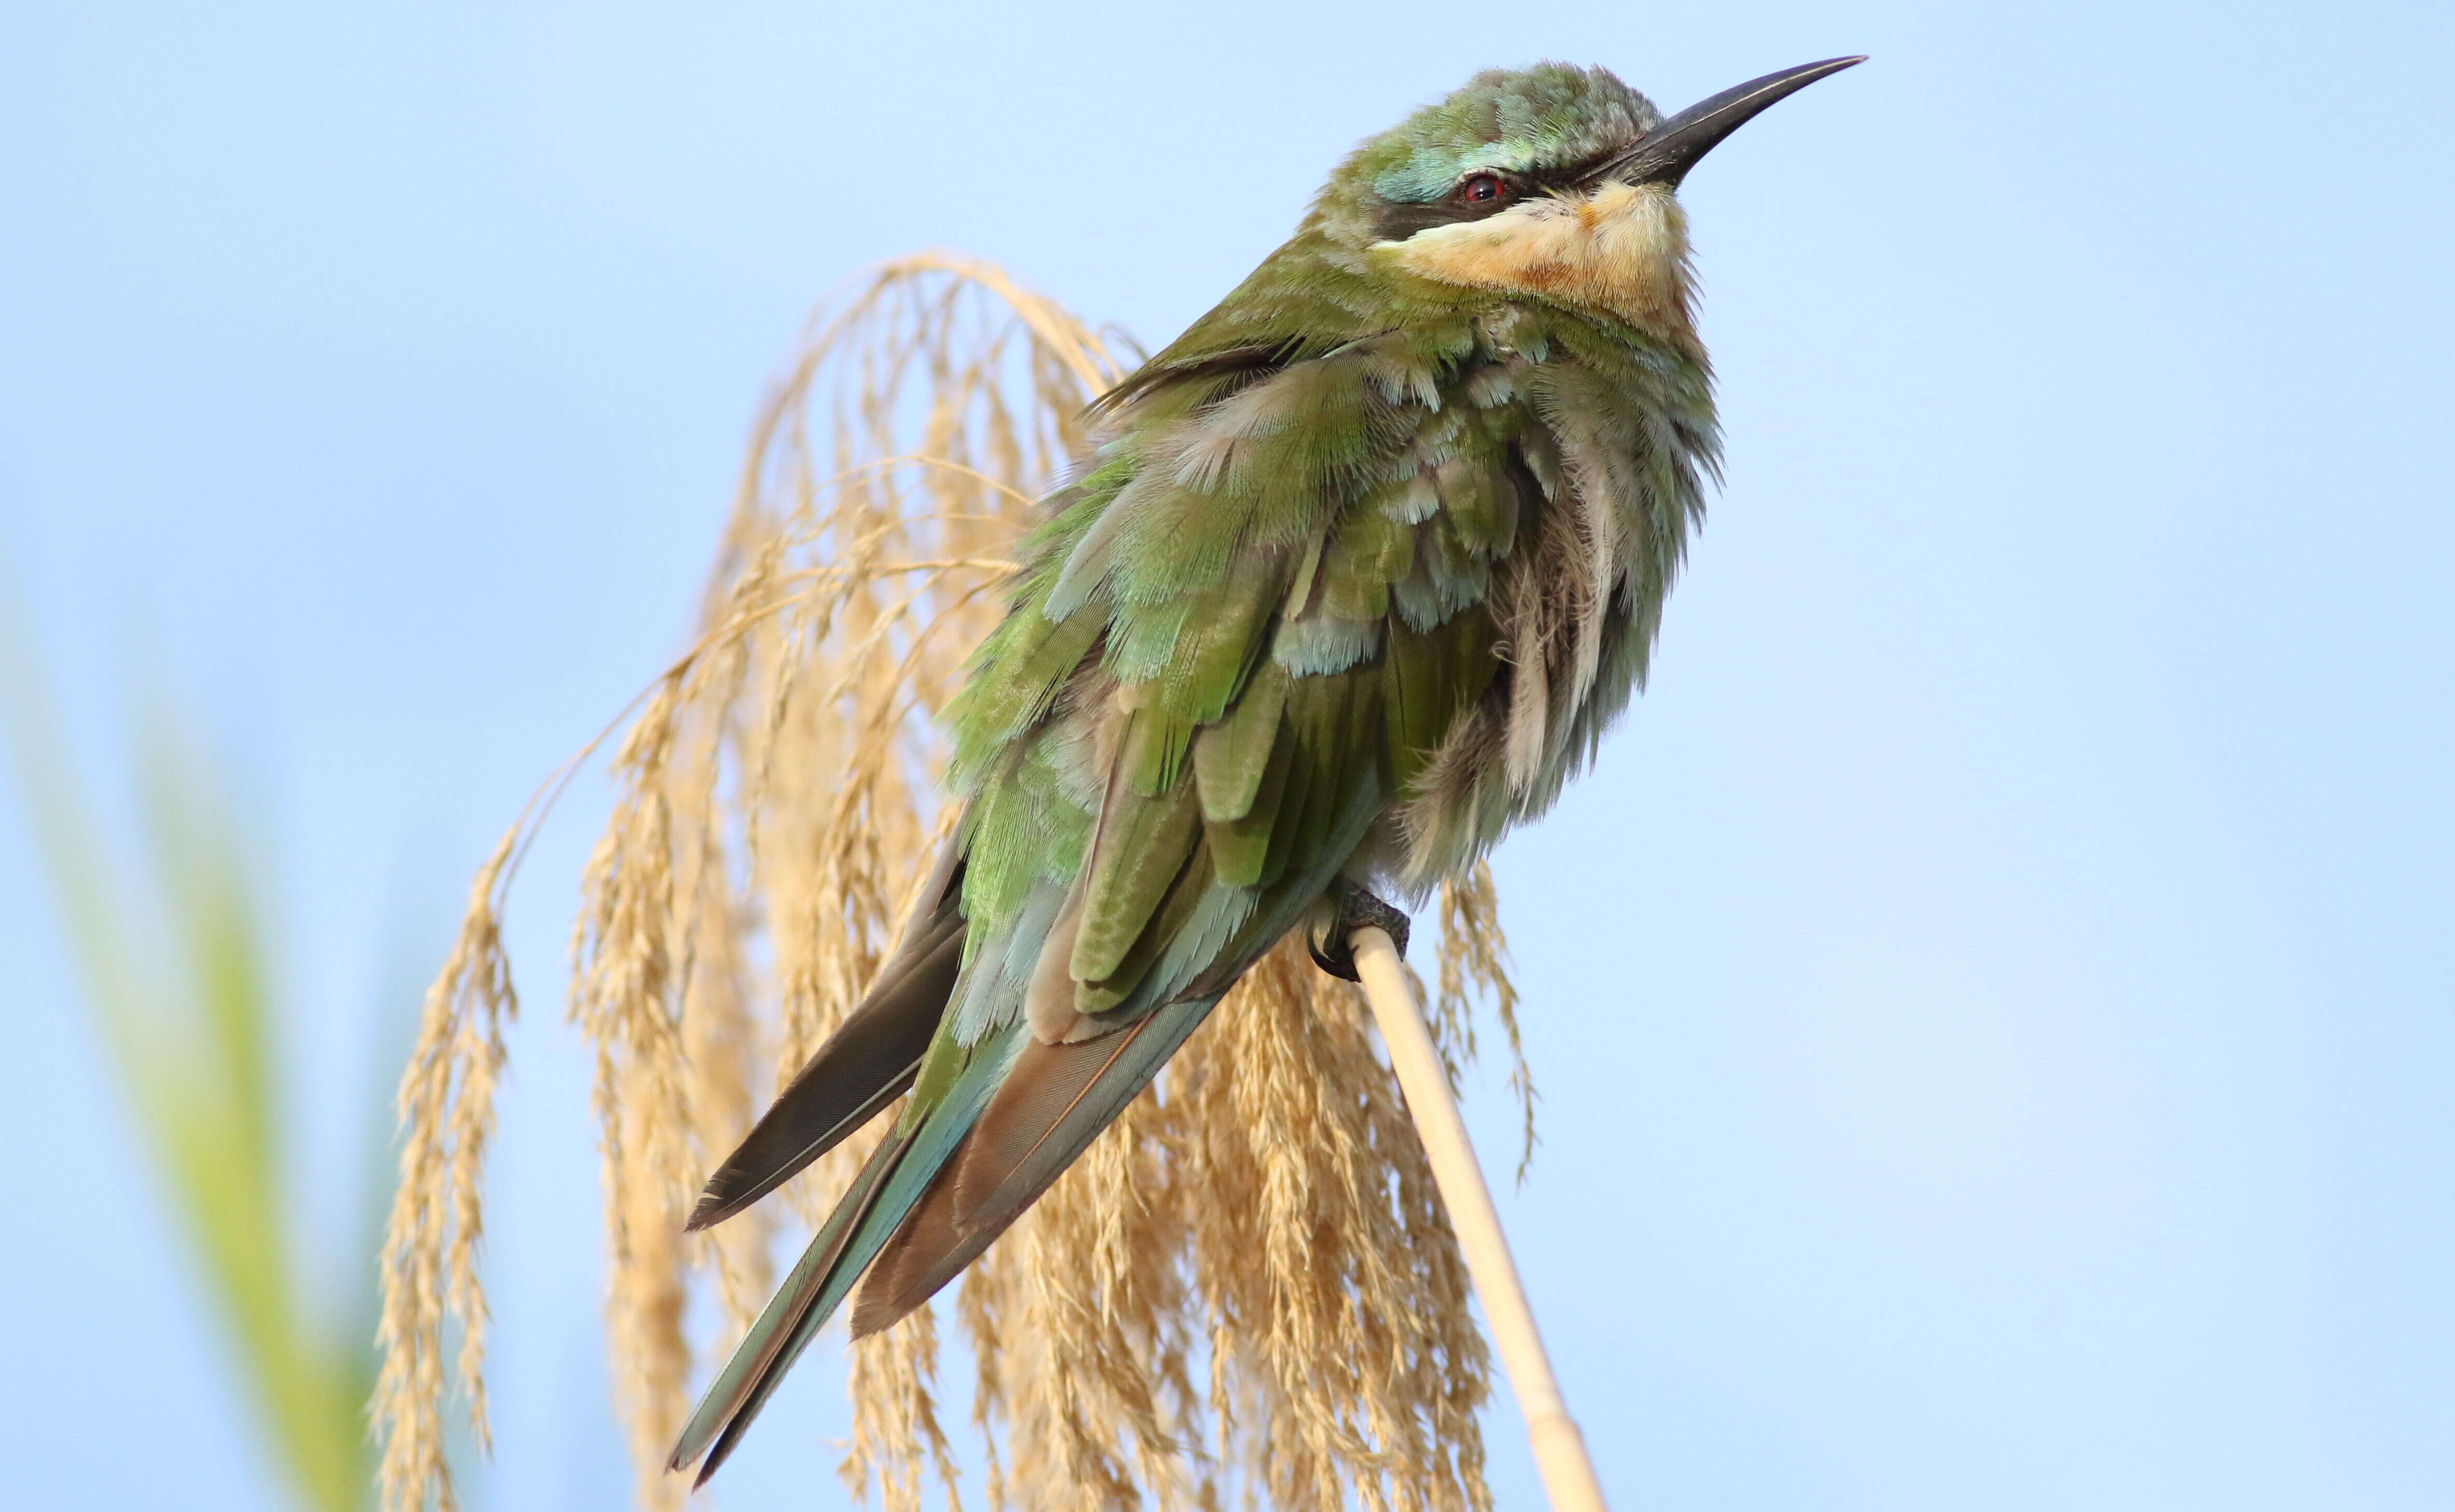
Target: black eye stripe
1396,220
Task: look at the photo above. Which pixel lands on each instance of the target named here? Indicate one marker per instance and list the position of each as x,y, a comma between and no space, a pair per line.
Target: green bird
1356,575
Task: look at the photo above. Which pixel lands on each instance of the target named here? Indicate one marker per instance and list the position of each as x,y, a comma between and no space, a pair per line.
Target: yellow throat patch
1622,250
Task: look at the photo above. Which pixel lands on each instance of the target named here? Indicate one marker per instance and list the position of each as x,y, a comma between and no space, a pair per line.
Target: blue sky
1992,999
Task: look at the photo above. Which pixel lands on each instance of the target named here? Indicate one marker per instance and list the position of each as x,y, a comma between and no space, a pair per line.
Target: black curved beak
1671,148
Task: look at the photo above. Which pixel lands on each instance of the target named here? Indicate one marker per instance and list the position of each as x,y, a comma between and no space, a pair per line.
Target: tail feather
866,1064
1046,1112
783,1329
880,1201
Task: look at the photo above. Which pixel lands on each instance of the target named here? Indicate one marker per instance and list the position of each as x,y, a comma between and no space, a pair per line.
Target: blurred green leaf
177,980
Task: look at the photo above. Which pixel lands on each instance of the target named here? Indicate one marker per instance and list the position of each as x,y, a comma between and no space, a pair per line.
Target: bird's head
1553,181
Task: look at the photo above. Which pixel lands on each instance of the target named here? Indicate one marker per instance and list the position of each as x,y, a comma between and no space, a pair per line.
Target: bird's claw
1333,951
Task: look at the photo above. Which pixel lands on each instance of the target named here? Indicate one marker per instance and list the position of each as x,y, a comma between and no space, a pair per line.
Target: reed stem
1559,1449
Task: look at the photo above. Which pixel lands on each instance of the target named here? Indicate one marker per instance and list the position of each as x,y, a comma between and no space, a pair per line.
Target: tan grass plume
1202,1313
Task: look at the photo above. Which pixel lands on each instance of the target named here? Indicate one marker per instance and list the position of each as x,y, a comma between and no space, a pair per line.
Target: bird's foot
1334,949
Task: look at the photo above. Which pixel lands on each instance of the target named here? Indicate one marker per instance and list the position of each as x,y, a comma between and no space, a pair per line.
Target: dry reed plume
1203,1312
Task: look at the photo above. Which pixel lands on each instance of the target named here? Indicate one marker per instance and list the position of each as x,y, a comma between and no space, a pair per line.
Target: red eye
1486,189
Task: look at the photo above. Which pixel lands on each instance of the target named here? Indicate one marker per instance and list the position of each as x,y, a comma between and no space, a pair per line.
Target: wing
1244,638
1265,614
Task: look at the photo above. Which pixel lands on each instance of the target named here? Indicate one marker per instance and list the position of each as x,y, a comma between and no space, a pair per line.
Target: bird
1351,579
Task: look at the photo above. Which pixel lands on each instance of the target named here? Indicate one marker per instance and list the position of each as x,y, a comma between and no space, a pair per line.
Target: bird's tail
933,1197
1049,1105
864,1066
882,1197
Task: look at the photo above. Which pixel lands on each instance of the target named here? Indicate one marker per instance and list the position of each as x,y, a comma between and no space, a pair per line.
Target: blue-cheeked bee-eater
1354,576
